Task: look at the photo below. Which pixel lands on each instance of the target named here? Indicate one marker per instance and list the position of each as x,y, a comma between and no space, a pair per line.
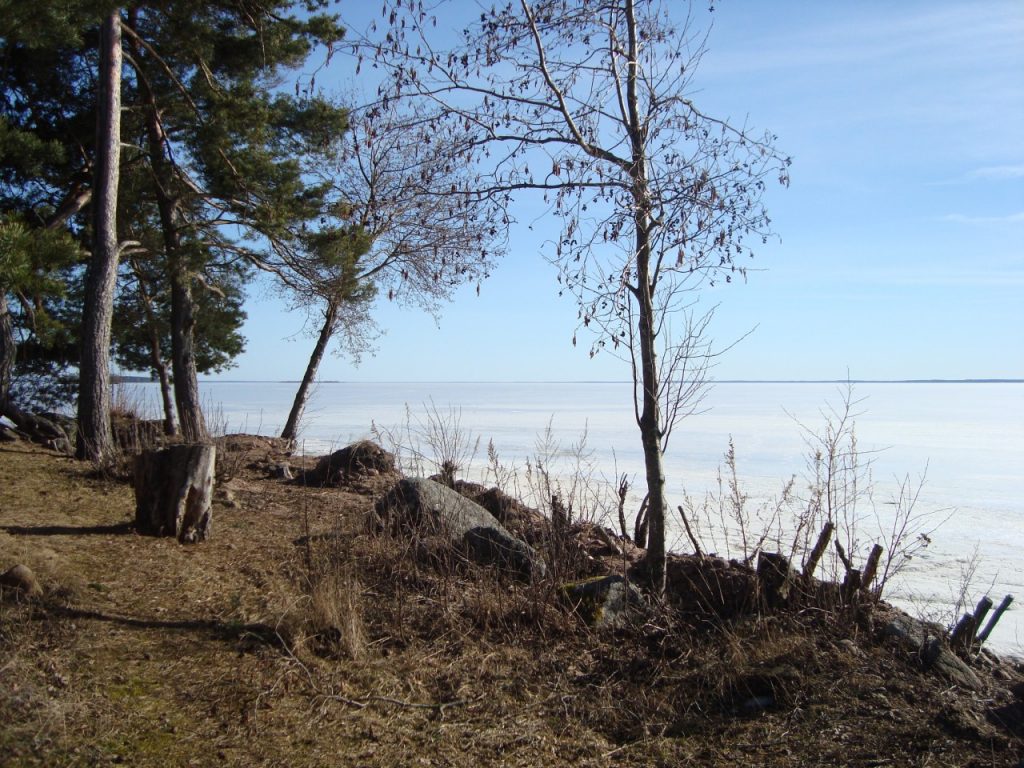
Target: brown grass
296,637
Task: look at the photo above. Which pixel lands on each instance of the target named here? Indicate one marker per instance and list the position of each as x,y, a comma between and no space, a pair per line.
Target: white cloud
959,218
998,172
955,37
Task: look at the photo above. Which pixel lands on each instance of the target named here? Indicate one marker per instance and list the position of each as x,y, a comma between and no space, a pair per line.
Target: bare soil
296,637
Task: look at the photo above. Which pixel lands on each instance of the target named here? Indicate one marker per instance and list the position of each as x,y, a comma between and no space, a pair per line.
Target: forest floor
296,637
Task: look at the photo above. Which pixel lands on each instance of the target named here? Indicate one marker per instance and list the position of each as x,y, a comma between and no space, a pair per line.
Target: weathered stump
174,491
775,578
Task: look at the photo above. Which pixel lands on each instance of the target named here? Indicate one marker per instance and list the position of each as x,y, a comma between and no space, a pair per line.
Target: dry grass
296,637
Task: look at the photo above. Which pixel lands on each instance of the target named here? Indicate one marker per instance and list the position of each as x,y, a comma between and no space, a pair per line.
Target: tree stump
775,577
174,491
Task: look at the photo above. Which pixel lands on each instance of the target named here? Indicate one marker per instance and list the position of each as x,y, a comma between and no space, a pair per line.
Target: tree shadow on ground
219,630
119,529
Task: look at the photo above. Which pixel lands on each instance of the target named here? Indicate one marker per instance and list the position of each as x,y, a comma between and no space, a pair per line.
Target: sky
900,248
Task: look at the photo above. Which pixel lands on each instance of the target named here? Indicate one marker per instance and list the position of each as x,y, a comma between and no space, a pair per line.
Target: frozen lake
970,437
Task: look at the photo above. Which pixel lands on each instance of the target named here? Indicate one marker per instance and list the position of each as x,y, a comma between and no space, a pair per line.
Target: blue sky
901,251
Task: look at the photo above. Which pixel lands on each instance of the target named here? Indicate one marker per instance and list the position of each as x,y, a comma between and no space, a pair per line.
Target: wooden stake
963,633
871,567
842,556
983,635
818,551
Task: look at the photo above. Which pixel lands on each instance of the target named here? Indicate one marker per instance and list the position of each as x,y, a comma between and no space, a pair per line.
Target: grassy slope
252,649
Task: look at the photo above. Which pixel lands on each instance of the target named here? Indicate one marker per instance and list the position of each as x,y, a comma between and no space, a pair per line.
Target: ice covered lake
969,436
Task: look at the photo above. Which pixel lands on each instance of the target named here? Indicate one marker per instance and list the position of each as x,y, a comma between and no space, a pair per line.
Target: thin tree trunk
156,359
183,360
650,421
95,440
183,356
7,348
166,397
160,367
291,428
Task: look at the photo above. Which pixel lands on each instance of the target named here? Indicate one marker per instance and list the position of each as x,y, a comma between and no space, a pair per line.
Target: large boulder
526,522
362,459
418,503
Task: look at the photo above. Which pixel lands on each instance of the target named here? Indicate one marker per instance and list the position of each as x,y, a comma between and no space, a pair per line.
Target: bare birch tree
589,104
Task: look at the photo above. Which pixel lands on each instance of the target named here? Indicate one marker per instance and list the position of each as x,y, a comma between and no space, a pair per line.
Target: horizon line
973,380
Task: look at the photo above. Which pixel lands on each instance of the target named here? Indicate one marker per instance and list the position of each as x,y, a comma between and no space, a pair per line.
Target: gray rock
852,648
938,657
21,579
910,632
362,459
226,496
605,601
925,638
418,502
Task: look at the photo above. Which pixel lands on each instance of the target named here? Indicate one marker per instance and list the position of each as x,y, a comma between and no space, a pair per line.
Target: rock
910,632
938,657
524,521
925,639
420,503
38,428
706,584
362,459
21,579
604,546
238,442
604,602
227,497
852,648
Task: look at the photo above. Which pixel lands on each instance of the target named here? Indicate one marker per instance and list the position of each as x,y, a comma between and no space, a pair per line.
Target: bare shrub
837,498
726,523
909,530
434,443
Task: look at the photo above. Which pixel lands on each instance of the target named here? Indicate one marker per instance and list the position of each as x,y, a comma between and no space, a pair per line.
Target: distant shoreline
120,379
141,380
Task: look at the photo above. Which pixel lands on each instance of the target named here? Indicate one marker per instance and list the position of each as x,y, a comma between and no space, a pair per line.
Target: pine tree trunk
183,360
183,357
174,491
156,360
95,439
291,428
